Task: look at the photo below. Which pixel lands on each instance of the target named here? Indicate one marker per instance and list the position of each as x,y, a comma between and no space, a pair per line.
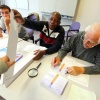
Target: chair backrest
75,26
33,16
73,29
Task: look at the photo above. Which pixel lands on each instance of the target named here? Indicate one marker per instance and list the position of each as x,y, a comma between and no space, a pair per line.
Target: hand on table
75,70
39,54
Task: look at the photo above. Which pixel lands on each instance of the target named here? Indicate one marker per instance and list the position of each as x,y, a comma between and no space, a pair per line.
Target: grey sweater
3,67
92,55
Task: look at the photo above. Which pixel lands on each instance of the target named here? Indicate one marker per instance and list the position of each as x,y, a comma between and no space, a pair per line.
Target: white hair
94,29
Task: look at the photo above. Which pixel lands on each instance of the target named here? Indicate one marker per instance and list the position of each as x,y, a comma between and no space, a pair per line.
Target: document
7,77
3,53
68,61
78,93
55,82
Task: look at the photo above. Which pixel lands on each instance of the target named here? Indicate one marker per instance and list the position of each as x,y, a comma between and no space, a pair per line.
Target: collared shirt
92,55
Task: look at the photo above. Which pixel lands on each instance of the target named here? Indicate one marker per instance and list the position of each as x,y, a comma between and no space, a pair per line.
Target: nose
52,21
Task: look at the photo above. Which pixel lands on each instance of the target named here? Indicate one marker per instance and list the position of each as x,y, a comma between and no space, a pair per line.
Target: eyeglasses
87,41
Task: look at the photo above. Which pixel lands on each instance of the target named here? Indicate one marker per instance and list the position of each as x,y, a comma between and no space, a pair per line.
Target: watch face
1,98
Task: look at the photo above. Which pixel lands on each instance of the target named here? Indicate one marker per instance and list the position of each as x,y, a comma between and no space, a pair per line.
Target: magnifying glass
33,72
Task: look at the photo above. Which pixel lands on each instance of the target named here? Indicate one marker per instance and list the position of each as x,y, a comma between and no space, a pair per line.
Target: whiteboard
22,4
64,7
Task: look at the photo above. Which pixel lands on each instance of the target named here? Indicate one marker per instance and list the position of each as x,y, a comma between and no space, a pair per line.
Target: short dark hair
58,14
5,7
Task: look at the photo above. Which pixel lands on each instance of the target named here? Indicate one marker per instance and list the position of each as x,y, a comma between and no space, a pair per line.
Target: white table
25,88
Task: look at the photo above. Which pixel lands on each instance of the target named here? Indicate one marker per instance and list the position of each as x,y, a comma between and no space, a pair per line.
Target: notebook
55,82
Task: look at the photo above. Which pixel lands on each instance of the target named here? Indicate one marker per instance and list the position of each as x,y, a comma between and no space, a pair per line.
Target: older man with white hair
85,46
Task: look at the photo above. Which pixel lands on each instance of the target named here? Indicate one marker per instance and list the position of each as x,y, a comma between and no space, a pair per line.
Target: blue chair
32,16
73,29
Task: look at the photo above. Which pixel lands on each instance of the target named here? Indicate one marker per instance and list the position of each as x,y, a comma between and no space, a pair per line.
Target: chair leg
67,36
32,38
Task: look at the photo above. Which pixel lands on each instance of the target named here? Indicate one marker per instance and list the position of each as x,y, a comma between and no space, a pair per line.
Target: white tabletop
25,88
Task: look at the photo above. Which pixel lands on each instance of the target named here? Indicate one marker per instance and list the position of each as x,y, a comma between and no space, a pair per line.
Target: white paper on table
81,79
77,93
55,82
3,42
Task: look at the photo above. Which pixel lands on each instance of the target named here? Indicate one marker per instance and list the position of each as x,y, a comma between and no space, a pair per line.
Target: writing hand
55,61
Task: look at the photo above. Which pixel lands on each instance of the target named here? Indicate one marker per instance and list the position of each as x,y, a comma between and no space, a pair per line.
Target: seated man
52,34
85,46
5,21
5,63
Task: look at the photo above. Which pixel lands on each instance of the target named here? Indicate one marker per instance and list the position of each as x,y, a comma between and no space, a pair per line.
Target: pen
54,78
62,66
18,57
38,65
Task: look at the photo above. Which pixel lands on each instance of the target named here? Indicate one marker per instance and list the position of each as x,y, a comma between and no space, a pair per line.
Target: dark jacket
51,40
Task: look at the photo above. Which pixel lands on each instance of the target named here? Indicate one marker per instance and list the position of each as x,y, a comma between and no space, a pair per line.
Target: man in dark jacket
51,33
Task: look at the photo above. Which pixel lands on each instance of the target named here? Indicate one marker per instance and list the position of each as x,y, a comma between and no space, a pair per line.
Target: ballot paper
55,82
7,77
69,61
78,93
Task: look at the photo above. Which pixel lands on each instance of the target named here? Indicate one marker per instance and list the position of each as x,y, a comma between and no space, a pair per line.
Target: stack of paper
56,82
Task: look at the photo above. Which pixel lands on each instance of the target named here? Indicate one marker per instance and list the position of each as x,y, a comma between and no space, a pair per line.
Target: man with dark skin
51,33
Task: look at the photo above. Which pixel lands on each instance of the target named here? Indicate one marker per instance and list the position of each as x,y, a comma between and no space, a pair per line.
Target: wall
88,11
33,6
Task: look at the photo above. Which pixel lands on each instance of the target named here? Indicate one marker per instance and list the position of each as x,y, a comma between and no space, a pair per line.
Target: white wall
33,6
87,13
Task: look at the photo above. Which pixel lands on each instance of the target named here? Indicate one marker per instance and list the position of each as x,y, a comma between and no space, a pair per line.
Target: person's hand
18,17
7,20
7,61
1,35
39,54
56,61
75,70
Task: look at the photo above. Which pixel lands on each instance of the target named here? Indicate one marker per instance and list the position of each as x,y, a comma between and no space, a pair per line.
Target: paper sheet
82,79
7,77
77,93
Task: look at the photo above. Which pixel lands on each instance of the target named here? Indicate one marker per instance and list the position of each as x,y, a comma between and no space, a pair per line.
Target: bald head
56,14
93,31
54,20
